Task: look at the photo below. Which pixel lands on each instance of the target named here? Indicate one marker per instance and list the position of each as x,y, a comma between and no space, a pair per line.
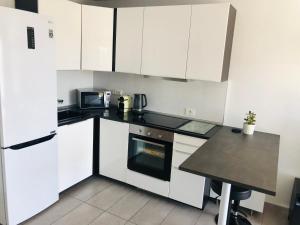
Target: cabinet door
97,38
113,149
256,202
210,42
148,183
75,153
129,40
165,41
66,16
186,187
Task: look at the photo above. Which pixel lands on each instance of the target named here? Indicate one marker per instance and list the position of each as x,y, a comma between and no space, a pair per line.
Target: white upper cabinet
211,34
66,16
165,41
129,40
97,38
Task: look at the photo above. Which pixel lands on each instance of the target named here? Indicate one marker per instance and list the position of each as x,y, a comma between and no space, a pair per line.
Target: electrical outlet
190,112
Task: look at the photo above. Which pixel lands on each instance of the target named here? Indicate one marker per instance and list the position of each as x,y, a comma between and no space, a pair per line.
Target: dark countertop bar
247,161
113,114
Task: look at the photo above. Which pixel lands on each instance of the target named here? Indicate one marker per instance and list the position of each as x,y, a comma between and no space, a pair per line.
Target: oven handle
148,142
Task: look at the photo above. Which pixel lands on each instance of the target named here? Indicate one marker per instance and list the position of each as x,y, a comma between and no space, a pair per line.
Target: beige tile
207,216
108,219
130,204
89,188
107,198
55,212
154,212
211,208
129,223
274,215
82,215
206,219
182,214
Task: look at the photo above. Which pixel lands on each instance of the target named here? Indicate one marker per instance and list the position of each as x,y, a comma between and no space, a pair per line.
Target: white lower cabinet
256,202
75,153
113,149
148,183
186,187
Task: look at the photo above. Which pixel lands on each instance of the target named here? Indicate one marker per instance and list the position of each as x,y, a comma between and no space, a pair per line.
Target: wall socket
117,92
190,112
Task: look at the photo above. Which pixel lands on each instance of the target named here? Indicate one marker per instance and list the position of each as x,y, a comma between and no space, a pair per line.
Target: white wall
69,81
172,97
265,77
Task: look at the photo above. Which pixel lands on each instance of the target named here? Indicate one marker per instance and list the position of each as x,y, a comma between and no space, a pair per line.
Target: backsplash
69,81
172,97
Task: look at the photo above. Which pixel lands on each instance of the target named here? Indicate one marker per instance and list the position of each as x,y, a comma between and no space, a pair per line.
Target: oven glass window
150,157
148,154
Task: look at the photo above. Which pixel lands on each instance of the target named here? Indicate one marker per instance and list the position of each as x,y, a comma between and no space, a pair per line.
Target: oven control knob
160,136
140,130
149,133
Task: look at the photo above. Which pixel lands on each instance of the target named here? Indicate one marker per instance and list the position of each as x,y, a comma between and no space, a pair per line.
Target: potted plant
249,125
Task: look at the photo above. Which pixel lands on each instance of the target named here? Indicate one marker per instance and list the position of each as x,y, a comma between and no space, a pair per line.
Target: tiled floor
99,201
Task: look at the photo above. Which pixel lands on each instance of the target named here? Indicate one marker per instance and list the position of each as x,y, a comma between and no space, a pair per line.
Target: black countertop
170,123
246,161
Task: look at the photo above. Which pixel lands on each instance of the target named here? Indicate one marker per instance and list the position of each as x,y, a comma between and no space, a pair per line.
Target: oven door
90,100
150,156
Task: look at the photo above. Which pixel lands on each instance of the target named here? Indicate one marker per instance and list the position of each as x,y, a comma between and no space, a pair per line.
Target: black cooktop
149,118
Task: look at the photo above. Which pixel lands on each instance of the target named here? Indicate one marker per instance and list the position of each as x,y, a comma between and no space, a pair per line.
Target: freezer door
31,180
27,77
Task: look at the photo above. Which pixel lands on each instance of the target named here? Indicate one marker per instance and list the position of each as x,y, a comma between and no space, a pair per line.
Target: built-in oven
150,151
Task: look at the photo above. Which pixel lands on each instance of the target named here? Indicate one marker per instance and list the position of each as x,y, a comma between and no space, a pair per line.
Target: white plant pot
248,129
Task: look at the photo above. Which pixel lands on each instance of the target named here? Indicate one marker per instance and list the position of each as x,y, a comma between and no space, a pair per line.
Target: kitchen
211,101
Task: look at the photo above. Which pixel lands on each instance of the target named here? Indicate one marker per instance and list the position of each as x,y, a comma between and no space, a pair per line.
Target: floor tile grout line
139,209
108,186
119,199
93,194
200,214
96,217
168,215
128,220
104,210
68,213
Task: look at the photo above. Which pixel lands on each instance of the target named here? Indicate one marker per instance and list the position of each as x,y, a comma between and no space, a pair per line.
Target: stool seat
237,193
235,216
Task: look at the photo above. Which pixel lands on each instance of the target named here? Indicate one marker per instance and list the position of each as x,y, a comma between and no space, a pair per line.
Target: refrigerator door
31,182
27,77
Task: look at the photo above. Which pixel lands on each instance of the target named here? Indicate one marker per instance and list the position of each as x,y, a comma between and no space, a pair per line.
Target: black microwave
93,98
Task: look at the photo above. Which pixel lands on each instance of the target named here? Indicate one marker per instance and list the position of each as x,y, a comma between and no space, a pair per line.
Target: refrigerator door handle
31,143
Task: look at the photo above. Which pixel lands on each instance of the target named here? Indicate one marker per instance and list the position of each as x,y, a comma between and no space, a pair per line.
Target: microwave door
92,100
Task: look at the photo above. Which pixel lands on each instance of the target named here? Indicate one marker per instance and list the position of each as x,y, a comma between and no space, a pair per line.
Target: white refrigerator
28,116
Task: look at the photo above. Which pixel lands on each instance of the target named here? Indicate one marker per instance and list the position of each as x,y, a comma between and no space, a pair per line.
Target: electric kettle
140,102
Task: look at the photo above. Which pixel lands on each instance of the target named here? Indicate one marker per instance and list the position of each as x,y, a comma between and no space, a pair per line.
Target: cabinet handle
194,146
183,152
148,142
